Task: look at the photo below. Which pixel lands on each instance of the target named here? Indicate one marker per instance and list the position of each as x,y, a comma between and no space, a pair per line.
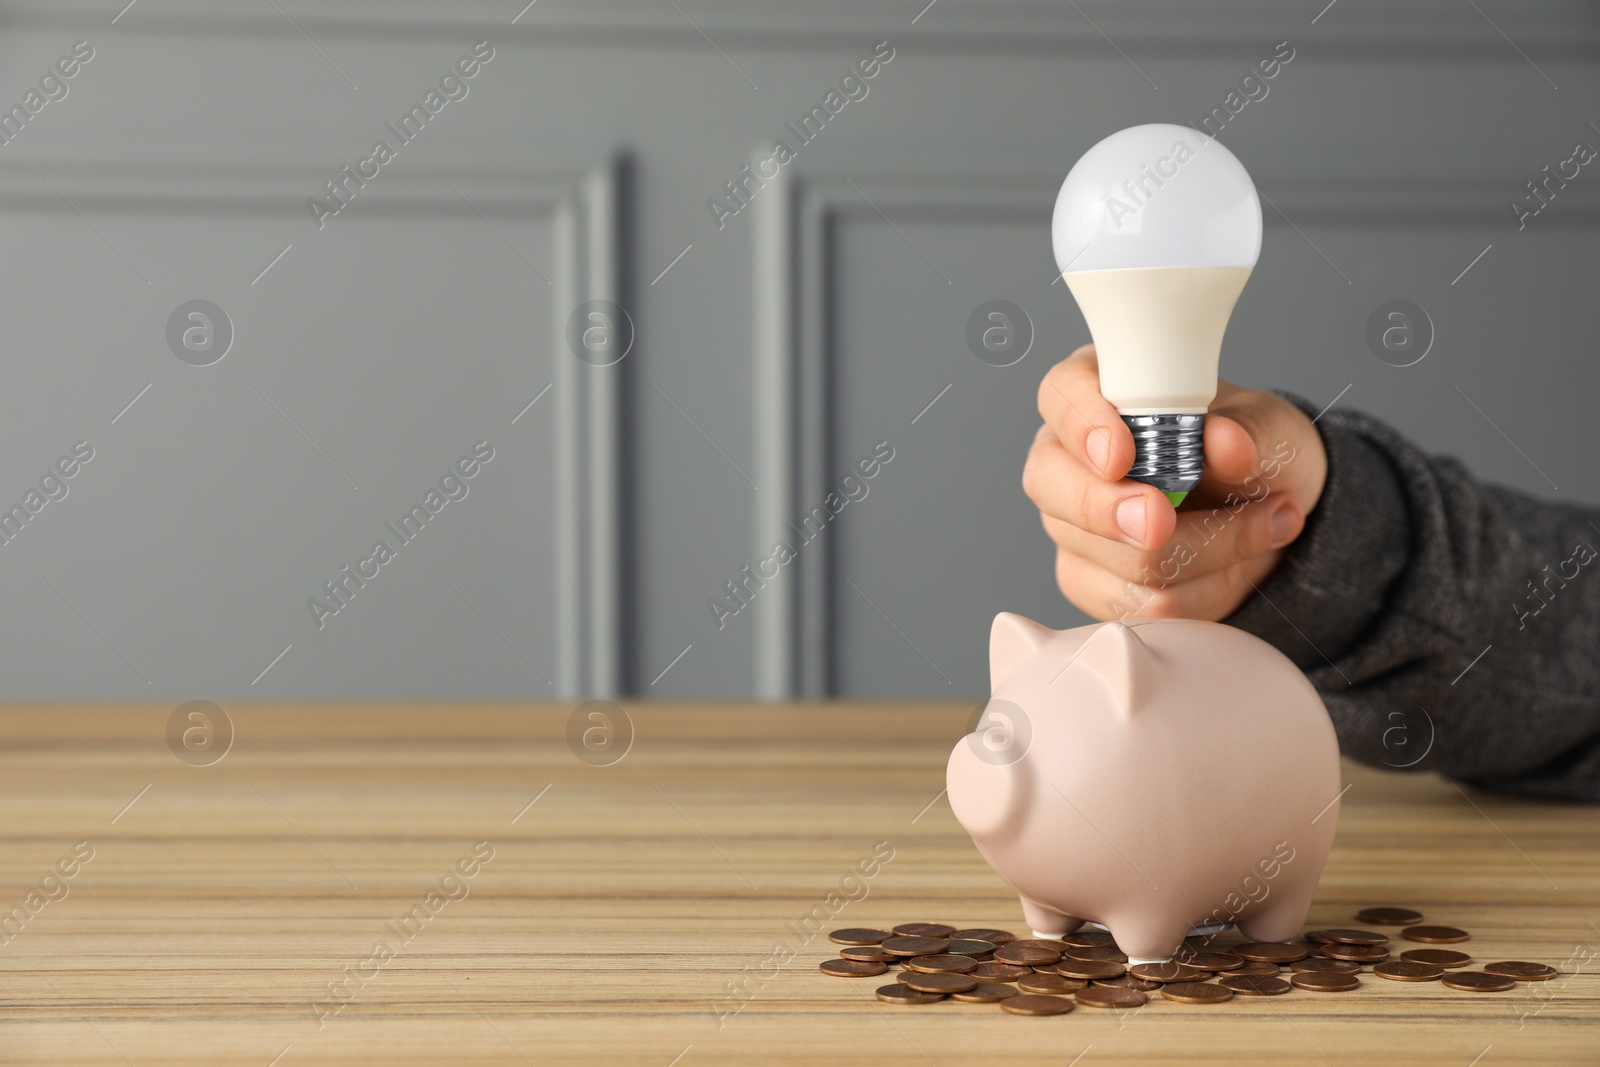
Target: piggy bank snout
988,772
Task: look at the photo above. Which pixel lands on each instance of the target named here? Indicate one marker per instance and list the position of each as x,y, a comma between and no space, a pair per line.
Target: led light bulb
1156,230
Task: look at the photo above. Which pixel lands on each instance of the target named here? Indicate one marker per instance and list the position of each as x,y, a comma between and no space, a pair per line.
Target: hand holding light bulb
1110,531
1156,230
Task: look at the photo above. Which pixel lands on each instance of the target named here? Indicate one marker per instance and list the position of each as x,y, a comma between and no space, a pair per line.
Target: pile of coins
1087,969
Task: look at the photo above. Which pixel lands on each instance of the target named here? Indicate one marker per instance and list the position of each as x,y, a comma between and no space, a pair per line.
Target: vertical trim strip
571,628
793,416
603,454
776,424
812,444
591,578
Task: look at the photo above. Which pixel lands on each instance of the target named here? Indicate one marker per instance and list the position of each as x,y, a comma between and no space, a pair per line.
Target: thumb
1250,432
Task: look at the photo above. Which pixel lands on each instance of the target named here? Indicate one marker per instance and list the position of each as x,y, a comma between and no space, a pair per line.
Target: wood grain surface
223,906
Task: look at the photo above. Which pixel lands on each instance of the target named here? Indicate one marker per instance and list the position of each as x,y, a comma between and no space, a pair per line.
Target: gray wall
777,351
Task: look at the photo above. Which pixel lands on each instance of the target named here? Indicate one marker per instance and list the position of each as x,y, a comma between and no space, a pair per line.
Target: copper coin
1095,952
1210,961
1256,970
1522,972
983,933
913,946
852,968
858,936
1127,981
1026,955
1099,996
1316,937
1324,981
964,946
1357,953
1435,935
866,953
1039,942
1354,937
1049,983
1167,972
1197,992
1438,957
999,972
1090,970
1270,952
1255,985
1406,971
899,994
942,964
1388,916
924,930
940,983
1036,1004
1323,965
1087,937
1047,969
1478,982
986,993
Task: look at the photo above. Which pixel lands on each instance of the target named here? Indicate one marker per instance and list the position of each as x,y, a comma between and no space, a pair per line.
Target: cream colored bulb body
1158,332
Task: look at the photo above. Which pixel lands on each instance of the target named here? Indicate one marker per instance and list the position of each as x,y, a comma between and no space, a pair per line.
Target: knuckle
1233,579
1148,561
1250,534
1170,561
1091,510
1048,386
1164,603
1136,568
1067,575
1254,540
1030,477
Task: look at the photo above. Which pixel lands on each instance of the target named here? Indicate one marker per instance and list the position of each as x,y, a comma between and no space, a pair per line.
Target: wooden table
221,901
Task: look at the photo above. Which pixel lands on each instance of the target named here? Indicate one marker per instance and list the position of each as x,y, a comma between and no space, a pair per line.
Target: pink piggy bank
1154,778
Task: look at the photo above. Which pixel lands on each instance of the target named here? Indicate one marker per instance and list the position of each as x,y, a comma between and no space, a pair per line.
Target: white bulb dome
1156,196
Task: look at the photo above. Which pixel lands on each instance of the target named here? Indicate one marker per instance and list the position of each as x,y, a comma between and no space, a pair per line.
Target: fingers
1085,422
1205,540
1122,551
1063,488
1211,597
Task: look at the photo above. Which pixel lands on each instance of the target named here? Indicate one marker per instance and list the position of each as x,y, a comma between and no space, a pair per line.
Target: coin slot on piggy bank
1154,778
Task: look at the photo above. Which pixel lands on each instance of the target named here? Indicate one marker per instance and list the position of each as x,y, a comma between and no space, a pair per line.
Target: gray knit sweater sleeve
1449,625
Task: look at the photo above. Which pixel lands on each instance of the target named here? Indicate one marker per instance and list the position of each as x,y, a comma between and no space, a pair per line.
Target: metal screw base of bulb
1169,450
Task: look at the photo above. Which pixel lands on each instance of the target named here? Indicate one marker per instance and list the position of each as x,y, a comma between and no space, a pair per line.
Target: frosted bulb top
1156,196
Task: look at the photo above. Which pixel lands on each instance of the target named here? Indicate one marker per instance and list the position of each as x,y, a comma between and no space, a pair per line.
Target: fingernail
1285,525
1131,518
1098,448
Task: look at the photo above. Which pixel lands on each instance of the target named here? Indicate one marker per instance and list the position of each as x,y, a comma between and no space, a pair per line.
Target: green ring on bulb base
1176,497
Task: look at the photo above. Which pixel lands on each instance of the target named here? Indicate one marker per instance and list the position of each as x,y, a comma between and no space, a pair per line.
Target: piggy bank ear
1012,639
1123,663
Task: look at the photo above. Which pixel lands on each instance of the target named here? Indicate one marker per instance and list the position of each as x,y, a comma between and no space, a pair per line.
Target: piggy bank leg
1046,922
1148,939
1280,916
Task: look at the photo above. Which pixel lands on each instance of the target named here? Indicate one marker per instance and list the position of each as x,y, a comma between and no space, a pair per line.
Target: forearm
1438,615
